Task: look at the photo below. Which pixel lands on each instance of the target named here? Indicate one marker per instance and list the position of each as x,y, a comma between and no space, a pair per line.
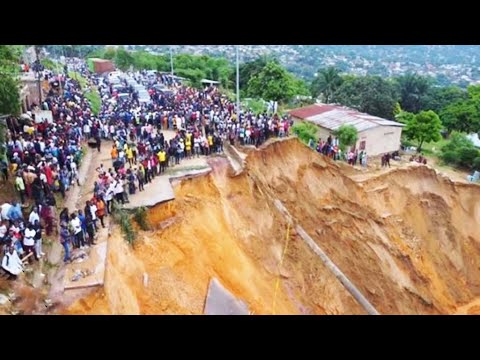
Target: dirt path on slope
75,200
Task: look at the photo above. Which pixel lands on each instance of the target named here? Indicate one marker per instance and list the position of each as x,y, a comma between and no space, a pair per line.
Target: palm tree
412,88
328,80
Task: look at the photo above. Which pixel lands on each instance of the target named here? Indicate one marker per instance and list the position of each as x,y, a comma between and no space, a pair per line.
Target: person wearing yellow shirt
129,154
188,147
20,186
162,158
210,140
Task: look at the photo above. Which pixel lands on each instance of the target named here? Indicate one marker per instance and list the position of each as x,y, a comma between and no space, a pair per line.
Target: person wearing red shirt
49,175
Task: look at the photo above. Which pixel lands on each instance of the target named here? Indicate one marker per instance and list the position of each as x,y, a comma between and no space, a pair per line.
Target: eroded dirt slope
407,239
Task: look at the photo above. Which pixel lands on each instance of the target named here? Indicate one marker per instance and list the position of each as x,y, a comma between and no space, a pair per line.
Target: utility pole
171,62
59,77
238,87
38,77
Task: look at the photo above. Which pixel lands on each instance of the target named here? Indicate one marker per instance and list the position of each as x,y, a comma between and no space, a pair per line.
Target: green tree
144,61
328,80
439,98
413,91
474,92
305,131
424,127
347,135
462,116
369,94
194,75
460,151
9,85
273,82
248,70
109,53
404,117
123,59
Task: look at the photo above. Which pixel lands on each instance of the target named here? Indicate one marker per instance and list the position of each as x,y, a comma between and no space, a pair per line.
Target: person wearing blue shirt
15,212
83,222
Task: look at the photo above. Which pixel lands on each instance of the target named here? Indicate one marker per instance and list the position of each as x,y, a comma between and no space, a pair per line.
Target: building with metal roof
375,135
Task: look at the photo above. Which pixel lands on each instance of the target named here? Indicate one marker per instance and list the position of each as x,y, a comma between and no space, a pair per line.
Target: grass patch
140,216
77,76
122,218
94,97
434,147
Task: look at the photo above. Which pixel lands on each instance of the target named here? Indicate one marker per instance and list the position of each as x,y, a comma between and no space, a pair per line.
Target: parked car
143,96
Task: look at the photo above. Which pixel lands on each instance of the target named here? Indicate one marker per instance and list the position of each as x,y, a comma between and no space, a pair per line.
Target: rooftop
331,117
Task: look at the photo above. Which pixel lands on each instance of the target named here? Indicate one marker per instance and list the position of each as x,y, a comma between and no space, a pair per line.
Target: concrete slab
221,302
158,191
181,174
94,264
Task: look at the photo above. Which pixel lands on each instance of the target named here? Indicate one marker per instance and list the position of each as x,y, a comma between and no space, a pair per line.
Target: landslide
407,239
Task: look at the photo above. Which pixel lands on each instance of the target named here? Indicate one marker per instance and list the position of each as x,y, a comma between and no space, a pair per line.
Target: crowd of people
44,156
331,149
202,120
419,159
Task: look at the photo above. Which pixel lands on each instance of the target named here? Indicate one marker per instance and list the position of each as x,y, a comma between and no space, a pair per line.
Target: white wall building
375,135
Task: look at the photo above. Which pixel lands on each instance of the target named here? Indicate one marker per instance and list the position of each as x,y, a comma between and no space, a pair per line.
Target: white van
143,96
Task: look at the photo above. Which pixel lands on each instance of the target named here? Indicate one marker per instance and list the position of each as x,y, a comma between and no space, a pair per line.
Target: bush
122,218
305,131
476,163
140,216
449,157
467,156
347,136
460,152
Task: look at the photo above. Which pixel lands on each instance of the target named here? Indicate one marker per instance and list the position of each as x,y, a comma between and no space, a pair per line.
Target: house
375,135
30,91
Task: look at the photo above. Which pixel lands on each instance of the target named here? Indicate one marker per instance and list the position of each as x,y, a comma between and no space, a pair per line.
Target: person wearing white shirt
73,166
5,209
3,230
77,231
93,211
29,240
86,131
34,216
12,263
43,178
